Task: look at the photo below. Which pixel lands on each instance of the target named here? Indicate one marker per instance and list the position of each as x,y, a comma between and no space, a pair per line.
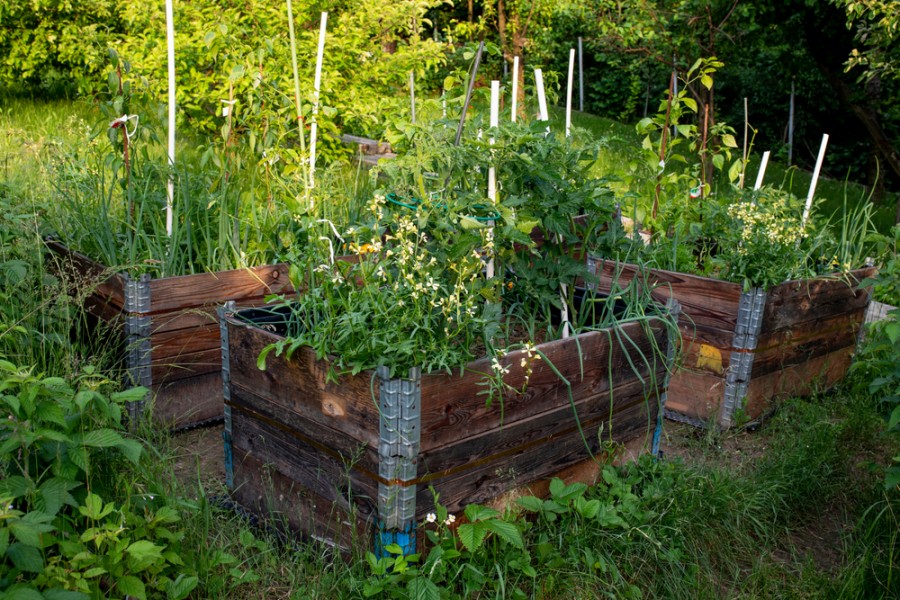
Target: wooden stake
471,86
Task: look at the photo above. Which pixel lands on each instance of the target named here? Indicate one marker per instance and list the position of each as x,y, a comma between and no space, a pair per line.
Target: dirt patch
198,460
735,450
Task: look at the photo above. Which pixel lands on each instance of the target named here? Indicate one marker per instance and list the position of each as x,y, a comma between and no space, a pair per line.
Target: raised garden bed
341,460
744,350
169,329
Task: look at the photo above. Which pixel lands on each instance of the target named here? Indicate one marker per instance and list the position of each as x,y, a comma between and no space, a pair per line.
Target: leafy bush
62,452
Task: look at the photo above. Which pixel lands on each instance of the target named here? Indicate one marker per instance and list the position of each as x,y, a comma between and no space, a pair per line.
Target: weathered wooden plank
188,401
336,444
172,344
170,370
699,356
794,302
366,145
330,478
706,301
108,285
264,491
302,385
696,394
191,291
183,319
806,340
819,373
455,407
547,427
489,479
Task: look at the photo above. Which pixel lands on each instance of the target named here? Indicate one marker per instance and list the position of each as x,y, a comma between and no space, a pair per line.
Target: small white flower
450,520
431,517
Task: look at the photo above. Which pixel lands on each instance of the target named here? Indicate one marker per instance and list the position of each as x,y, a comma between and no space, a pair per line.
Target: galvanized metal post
137,340
400,406
222,311
746,333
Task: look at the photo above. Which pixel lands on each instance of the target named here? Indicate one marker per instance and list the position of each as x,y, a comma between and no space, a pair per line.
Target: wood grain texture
506,471
81,272
189,401
329,478
705,301
696,394
804,341
546,428
185,366
282,502
333,444
795,302
817,374
454,407
192,291
301,385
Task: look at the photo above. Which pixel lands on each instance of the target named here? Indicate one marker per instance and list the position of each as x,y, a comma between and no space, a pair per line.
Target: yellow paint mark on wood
710,358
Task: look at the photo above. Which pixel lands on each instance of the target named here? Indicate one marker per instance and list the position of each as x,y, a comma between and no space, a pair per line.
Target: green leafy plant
61,446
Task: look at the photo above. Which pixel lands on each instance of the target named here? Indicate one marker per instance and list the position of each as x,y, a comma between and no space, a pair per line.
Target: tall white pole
170,186
542,99
569,91
315,110
515,88
762,170
492,173
815,179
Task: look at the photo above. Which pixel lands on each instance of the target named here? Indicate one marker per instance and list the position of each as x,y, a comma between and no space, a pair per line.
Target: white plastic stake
569,90
515,88
815,179
313,131
170,185
542,99
762,170
492,173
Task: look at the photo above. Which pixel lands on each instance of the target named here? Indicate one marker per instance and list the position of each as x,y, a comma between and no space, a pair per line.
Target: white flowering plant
437,274
393,303
758,238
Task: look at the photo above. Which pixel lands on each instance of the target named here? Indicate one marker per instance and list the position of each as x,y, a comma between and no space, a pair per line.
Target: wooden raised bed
343,460
169,328
744,350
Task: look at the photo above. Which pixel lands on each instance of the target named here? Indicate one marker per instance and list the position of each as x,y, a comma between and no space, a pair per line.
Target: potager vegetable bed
341,458
769,326
745,349
453,359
